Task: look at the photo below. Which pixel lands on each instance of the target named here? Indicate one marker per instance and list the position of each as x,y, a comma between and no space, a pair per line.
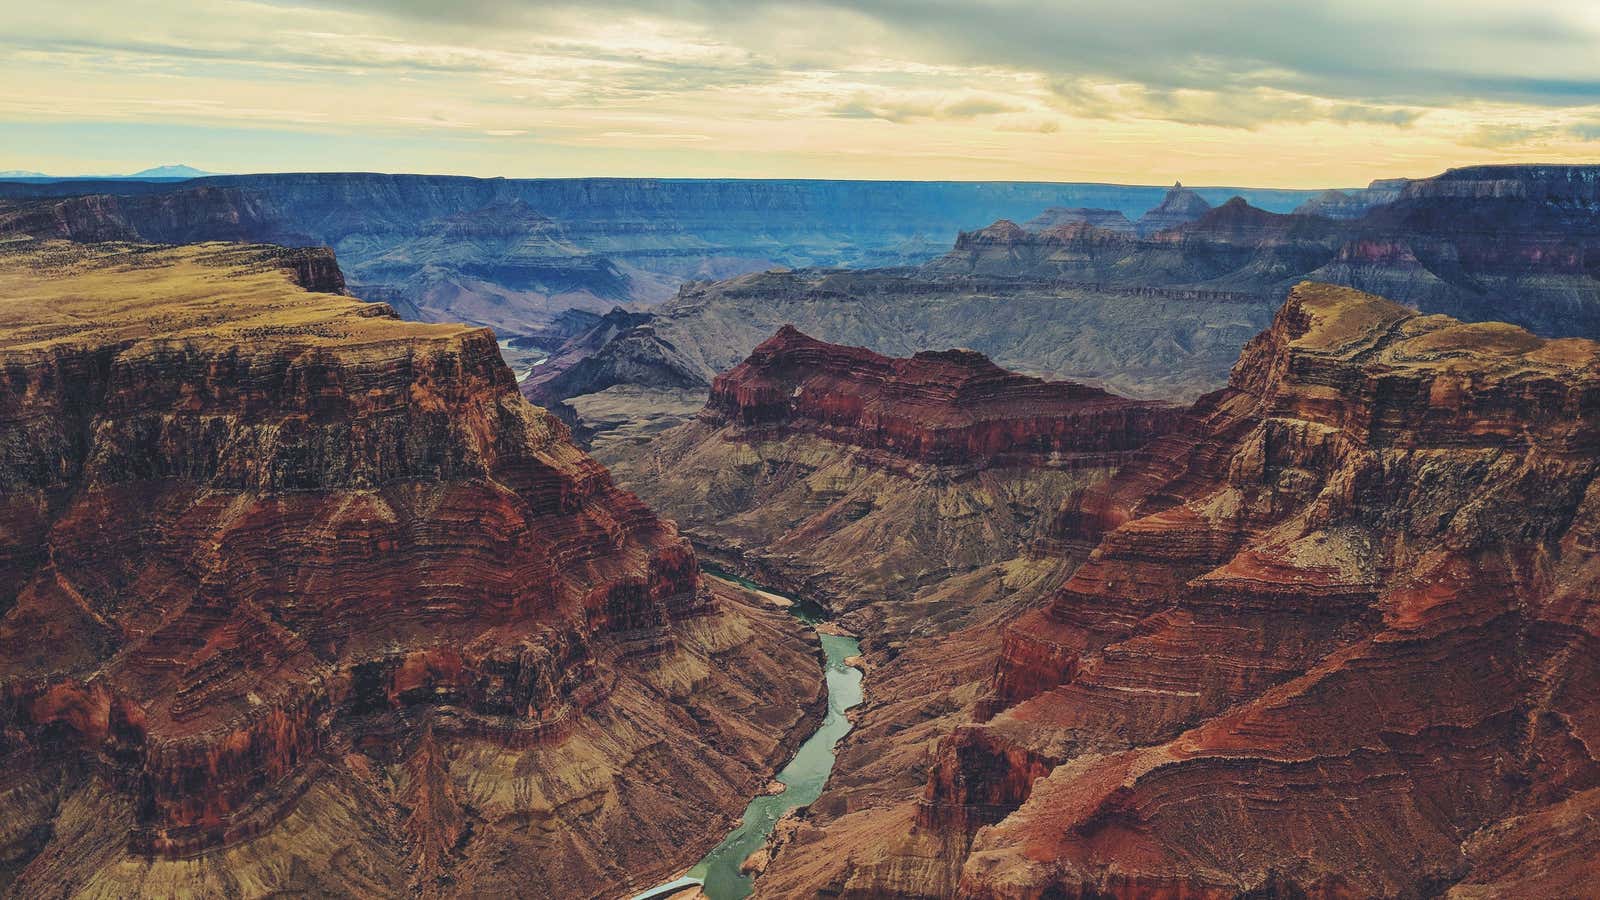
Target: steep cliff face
621,349
514,253
1519,244
1492,243
1138,342
951,407
861,478
1164,315
263,543
1339,641
1234,251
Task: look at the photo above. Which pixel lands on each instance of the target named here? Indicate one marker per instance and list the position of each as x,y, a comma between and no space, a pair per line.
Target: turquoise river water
803,778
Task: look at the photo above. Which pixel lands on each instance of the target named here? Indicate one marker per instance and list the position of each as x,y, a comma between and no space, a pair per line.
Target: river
803,778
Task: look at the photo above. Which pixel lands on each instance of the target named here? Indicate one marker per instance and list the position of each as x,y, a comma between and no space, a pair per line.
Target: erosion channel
719,873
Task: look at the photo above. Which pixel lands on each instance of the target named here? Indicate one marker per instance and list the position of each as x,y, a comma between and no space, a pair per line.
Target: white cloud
1036,87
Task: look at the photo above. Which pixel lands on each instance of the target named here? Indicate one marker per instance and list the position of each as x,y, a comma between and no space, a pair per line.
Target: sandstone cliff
313,595
859,479
1338,641
1163,315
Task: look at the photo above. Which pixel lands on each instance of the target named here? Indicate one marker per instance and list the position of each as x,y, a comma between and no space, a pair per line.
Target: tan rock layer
239,518
1339,641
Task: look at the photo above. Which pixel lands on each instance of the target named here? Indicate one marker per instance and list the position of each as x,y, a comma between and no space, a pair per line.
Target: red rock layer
236,517
1341,642
951,407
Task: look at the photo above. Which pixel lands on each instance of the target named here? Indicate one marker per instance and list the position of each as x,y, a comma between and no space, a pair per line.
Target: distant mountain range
172,170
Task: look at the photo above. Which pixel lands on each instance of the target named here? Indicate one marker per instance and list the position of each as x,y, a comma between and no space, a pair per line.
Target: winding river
718,872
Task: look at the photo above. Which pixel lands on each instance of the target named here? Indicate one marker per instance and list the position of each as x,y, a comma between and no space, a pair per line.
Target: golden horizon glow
1144,91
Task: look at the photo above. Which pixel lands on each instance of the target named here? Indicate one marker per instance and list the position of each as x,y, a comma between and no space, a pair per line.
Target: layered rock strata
951,407
1160,314
1340,641
857,478
514,253
301,589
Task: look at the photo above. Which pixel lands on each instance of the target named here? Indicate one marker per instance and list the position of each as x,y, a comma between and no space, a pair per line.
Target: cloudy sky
1256,92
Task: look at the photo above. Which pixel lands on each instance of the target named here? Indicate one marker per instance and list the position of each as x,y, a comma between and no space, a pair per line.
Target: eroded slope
301,597
1339,642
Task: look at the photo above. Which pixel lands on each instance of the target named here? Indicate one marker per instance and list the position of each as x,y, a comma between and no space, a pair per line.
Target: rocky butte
1158,314
299,597
1336,639
514,253
855,478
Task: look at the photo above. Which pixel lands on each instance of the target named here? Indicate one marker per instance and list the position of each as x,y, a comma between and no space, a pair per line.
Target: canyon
1190,568
301,597
1156,315
1333,637
860,481
513,254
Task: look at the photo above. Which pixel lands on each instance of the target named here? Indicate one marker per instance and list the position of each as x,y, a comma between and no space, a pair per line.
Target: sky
1228,92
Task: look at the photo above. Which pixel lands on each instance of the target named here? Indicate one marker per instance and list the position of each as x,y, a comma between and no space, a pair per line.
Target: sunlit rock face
284,572
857,479
941,407
1337,639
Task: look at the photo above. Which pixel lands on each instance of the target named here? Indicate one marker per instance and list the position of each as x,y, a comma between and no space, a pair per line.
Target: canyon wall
951,407
515,253
861,480
1162,314
312,594
1337,639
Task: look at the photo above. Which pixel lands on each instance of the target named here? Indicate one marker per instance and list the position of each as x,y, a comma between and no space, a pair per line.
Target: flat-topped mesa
1370,563
1568,185
1002,233
237,516
1057,216
951,407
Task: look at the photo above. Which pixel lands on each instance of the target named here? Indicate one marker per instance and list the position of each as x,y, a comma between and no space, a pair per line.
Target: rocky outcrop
1339,641
1353,204
514,253
1179,207
858,479
261,544
1164,315
622,348
1510,243
1056,216
951,407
